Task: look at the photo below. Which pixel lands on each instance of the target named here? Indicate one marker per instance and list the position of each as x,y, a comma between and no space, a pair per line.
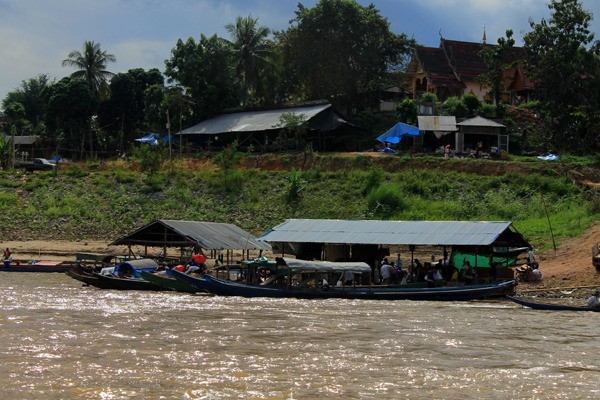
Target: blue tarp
549,157
154,139
395,134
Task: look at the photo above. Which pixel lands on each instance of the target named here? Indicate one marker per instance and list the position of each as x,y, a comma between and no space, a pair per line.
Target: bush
374,179
384,201
149,157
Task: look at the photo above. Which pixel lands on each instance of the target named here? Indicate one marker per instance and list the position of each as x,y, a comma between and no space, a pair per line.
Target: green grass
81,203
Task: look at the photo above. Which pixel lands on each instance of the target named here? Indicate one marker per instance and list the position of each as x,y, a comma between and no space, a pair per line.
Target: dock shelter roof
208,235
427,233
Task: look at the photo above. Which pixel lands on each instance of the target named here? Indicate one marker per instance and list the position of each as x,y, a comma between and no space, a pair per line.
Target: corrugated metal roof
250,121
437,123
433,233
480,121
208,235
23,140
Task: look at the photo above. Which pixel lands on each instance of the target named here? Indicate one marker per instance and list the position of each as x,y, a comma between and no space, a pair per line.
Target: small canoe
546,306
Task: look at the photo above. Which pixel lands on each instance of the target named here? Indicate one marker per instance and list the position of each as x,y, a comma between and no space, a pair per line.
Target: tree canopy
340,50
562,61
91,65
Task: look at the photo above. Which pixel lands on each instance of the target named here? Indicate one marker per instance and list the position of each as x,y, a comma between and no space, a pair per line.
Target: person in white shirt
386,273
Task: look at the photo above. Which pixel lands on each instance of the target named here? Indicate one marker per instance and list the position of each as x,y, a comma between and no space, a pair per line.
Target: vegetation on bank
93,201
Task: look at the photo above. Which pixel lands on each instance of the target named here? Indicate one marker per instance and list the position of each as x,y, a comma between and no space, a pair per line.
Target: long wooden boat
197,282
114,282
133,281
452,293
170,283
40,266
82,274
546,306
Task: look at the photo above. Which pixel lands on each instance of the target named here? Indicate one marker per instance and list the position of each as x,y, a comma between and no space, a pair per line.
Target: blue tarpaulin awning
154,139
395,134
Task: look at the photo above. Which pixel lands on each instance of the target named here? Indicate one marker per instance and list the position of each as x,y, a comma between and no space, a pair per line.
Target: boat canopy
325,266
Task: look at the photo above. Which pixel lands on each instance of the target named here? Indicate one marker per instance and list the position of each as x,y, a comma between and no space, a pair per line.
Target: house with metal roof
370,240
191,235
265,129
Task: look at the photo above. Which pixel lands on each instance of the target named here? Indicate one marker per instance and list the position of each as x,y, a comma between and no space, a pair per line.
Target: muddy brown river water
64,341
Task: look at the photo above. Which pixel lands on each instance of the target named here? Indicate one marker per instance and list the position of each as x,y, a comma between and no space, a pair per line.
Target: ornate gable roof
436,67
464,59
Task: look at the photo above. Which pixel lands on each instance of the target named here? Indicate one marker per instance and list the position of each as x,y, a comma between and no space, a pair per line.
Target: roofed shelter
484,130
326,128
436,132
193,235
364,240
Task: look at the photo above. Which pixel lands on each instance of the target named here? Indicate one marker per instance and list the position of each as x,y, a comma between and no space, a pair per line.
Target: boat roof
208,235
428,233
326,266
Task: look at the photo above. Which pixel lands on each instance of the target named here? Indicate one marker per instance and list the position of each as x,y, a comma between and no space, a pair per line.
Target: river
65,341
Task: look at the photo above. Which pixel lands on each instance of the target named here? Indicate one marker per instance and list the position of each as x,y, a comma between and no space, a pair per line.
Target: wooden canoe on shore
547,306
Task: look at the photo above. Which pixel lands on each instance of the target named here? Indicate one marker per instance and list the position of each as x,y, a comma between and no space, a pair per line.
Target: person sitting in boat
469,275
107,271
434,278
347,278
594,301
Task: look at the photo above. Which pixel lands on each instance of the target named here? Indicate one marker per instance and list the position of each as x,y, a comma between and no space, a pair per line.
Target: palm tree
250,47
91,65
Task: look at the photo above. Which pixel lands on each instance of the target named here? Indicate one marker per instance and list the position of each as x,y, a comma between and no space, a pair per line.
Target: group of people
392,272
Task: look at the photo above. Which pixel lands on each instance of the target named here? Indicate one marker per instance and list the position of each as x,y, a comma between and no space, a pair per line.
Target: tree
91,65
70,105
563,62
340,50
205,72
407,111
26,105
123,114
498,59
251,51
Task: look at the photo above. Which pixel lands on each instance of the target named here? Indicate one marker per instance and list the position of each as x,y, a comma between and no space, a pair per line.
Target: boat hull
549,307
170,283
453,293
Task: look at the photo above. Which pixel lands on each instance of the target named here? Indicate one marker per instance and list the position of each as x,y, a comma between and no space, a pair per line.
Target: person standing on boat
594,301
7,257
386,273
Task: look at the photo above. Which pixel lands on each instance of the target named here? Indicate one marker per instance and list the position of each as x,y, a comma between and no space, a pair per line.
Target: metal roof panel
386,232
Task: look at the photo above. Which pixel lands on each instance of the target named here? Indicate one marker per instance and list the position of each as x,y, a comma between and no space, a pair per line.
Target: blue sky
36,35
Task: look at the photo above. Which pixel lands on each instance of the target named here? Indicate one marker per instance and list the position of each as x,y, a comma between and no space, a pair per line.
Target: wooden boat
82,274
197,282
305,290
170,283
546,306
126,276
39,266
114,282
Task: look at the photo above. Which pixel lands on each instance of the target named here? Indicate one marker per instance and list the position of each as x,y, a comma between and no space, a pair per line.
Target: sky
37,35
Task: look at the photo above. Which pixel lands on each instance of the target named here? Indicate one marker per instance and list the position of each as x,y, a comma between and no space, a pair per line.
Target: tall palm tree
91,65
250,47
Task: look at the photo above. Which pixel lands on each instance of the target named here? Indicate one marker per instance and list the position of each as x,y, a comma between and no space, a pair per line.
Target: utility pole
169,131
